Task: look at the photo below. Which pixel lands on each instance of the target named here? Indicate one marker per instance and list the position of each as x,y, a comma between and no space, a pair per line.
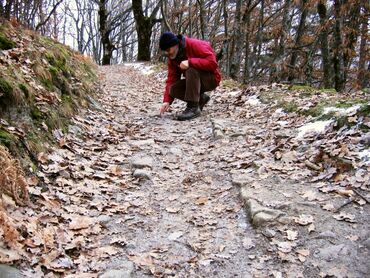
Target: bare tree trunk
2,9
105,33
323,37
44,21
224,52
300,32
337,53
255,57
237,42
202,19
353,27
8,7
164,16
246,73
144,25
363,75
190,19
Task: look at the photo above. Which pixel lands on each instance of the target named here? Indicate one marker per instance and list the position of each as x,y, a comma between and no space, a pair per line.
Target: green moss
24,89
5,43
5,87
35,143
35,113
301,88
288,107
365,110
6,138
48,84
54,71
230,83
328,90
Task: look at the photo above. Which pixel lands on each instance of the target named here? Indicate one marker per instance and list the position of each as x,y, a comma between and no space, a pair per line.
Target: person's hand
184,65
164,107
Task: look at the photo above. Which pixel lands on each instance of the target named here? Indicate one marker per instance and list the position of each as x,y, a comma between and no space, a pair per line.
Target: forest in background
313,42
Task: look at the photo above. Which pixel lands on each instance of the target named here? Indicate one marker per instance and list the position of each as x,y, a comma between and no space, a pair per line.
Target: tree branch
48,17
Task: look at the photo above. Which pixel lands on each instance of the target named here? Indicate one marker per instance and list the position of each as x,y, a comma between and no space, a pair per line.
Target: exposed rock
126,270
103,219
332,252
9,272
241,180
142,143
366,243
269,233
260,215
139,162
142,174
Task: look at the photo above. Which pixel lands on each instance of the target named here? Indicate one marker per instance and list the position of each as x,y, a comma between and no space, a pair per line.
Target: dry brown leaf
116,170
80,222
8,256
142,259
201,201
345,217
172,210
104,251
329,207
311,228
42,157
284,246
310,195
292,235
248,243
304,219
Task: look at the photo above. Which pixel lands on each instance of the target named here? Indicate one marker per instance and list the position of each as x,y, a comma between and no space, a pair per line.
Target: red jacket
200,56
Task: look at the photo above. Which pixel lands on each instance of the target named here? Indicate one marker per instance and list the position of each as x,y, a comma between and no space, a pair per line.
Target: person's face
172,51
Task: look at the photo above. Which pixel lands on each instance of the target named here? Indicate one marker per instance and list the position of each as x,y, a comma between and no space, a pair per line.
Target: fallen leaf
42,157
292,235
304,219
310,195
352,237
175,235
172,210
8,256
104,251
345,217
248,243
329,207
80,222
303,252
311,228
201,201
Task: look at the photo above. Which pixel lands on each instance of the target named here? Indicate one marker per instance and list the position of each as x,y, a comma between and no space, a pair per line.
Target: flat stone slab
9,272
142,143
142,174
140,162
261,215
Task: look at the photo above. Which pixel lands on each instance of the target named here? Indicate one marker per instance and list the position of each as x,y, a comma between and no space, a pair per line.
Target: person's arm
172,76
204,57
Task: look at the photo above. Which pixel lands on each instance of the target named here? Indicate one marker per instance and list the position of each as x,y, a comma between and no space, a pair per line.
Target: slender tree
323,37
144,25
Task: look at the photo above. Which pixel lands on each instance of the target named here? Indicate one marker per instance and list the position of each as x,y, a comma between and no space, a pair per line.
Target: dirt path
185,218
132,194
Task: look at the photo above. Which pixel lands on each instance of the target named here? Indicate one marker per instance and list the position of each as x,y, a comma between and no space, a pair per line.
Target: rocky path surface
233,193
185,218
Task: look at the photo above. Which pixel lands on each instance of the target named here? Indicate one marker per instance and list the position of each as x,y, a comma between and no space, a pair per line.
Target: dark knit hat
168,40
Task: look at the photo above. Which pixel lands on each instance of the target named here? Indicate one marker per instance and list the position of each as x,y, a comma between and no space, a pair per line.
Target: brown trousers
196,82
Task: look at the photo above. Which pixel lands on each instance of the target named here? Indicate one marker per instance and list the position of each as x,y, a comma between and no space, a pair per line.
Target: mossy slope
42,84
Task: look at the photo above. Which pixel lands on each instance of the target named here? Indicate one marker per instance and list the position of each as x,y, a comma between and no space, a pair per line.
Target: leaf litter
89,210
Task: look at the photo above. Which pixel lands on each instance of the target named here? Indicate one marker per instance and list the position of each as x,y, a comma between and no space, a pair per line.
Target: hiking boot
192,111
204,99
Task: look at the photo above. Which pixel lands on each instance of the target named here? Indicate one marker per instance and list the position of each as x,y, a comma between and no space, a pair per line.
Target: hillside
270,181
42,84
